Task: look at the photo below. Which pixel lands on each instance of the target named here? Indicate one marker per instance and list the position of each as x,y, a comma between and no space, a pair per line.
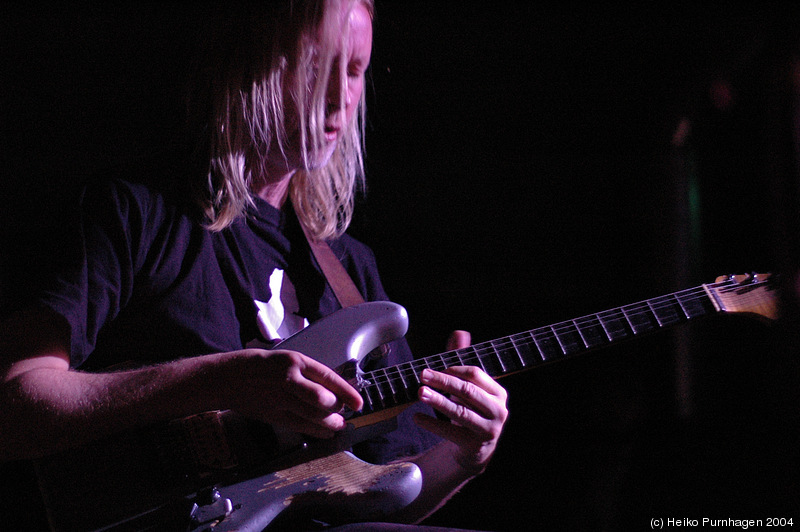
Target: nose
338,86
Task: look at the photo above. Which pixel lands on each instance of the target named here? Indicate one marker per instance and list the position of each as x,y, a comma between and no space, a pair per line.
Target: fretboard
398,385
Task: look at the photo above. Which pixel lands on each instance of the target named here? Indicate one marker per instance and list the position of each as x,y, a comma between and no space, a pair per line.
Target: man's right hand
289,389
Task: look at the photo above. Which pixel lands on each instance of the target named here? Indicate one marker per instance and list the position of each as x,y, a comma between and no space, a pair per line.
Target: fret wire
592,330
658,320
465,360
630,324
376,388
479,351
403,381
380,395
499,358
558,339
465,356
417,372
389,382
416,384
480,361
605,329
612,317
536,343
476,355
366,397
688,309
517,351
667,307
427,363
580,333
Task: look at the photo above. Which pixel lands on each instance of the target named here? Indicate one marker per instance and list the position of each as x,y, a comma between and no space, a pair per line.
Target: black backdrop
525,166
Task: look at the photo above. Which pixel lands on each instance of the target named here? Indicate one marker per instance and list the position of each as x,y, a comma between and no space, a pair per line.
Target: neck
274,192
271,179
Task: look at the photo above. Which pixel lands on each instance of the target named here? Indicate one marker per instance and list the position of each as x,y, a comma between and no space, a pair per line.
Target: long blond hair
256,58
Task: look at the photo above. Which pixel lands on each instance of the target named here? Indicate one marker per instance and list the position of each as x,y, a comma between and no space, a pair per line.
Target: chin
321,158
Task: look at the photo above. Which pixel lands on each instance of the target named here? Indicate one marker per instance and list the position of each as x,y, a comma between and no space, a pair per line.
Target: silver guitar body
122,484
342,339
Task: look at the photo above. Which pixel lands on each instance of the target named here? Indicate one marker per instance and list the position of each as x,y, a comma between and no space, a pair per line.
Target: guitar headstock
752,293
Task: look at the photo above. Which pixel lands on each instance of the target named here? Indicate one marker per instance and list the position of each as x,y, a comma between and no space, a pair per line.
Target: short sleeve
96,276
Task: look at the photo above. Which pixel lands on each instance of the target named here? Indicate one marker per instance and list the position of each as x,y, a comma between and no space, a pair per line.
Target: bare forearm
45,407
442,477
49,409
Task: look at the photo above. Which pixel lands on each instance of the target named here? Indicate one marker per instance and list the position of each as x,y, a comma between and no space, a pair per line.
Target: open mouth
331,133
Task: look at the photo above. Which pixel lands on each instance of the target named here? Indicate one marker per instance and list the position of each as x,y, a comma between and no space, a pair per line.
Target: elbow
12,445
28,426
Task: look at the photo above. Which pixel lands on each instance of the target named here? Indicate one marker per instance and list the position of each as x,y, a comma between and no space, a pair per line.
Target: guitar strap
340,281
343,286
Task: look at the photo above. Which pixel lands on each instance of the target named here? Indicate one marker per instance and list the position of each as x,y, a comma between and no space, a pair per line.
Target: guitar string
481,351
632,310
486,350
646,308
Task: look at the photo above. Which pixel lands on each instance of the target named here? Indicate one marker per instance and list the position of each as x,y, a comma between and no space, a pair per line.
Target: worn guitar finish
163,477
336,488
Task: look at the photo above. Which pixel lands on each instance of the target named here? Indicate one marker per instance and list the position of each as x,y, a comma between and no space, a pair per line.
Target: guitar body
345,337
156,476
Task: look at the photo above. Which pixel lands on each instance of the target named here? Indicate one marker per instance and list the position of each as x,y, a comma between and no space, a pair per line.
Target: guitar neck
397,385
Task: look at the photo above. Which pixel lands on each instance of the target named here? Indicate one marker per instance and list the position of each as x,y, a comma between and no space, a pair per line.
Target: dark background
526,165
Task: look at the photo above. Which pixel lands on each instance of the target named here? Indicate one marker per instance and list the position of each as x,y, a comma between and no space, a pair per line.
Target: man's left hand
475,404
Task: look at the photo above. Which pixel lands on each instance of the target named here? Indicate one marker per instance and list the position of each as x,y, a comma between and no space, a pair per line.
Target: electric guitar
217,471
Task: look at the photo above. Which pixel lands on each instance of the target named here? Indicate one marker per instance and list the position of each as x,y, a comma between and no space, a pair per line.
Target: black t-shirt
144,282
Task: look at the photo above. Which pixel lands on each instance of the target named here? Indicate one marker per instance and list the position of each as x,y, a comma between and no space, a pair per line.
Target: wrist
469,465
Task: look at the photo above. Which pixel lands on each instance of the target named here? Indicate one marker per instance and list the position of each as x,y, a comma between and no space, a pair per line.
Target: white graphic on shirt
278,318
